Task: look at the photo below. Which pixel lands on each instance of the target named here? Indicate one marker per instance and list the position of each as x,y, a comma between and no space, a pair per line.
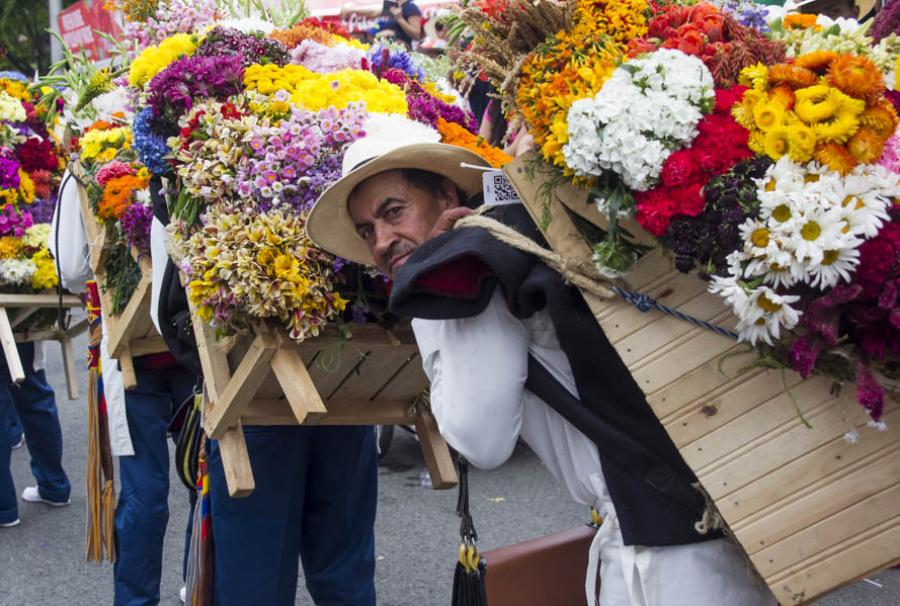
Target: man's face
835,8
395,217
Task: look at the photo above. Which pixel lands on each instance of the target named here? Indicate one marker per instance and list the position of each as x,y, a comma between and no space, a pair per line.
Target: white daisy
818,230
729,289
764,313
784,177
778,269
837,265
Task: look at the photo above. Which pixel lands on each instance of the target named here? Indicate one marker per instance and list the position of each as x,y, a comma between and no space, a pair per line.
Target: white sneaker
181,594
11,524
21,442
32,495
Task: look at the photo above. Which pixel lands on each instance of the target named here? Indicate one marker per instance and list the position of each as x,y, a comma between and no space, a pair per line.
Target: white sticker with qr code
498,190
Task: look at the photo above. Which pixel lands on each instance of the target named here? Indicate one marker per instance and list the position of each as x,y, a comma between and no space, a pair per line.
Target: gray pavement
42,564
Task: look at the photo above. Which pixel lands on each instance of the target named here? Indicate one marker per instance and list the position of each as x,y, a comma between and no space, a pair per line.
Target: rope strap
582,273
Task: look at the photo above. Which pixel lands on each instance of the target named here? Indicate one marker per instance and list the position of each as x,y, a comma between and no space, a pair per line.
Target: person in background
35,404
402,17
861,10
138,425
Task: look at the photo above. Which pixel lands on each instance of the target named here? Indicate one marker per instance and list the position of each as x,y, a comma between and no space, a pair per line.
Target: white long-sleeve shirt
73,254
477,367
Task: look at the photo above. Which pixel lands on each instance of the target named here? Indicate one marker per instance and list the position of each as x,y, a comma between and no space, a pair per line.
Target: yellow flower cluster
15,88
574,65
37,236
315,91
45,271
9,196
10,247
26,187
154,59
824,106
244,267
103,145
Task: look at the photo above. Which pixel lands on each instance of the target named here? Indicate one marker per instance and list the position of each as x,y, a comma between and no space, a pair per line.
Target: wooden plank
804,474
126,366
22,315
408,384
236,462
829,516
8,342
340,412
69,367
134,319
147,345
846,563
39,300
333,365
299,390
435,450
373,373
242,386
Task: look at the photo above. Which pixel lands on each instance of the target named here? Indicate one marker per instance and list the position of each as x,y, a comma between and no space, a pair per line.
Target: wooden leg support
236,462
69,367
126,364
8,341
301,394
436,452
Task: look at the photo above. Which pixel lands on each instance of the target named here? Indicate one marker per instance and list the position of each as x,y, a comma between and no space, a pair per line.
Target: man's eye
364,232
393,212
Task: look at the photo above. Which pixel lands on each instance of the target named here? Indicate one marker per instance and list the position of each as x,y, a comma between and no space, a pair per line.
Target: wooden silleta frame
812,511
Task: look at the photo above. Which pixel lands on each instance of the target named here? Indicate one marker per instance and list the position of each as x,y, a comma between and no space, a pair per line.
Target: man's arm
477,367
409,20
68,238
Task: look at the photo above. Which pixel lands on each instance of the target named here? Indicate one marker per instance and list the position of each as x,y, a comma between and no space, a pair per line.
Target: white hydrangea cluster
16,272
810,226
11,109
648,108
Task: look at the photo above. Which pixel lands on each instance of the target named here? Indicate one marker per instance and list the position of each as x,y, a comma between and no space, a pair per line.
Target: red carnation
679,169
727,97
36,154
655,210
689,199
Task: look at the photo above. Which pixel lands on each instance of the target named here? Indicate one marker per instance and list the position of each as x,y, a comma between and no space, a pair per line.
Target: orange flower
784,95
865,146
300,32
857,76
795,21
881,118
117,195
835,157
454,134
816,60
792,75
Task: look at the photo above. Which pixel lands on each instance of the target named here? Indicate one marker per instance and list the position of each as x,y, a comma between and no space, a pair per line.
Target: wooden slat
435,450
408,384
147,345
241,387
359,412
134,319
373,373
293,378
334,364
50,301
69,368
126,367
10,351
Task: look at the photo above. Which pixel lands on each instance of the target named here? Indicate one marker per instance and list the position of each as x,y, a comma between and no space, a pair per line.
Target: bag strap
619,447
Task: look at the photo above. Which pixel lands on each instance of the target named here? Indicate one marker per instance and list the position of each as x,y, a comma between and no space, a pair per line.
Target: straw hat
864,7
392,142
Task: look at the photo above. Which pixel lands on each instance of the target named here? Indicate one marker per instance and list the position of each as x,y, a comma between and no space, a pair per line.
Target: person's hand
522,143
396,11
448,219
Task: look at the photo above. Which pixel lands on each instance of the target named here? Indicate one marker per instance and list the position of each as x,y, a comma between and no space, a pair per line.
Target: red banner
77,25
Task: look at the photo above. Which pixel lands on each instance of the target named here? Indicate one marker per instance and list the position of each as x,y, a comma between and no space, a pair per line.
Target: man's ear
449,195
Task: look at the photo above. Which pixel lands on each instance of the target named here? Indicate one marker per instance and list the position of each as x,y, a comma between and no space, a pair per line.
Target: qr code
503,189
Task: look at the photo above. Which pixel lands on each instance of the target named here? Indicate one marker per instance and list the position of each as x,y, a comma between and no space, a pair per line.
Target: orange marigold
300,32
117,195
881,118
857,76
835,157
797,21
454,134
792,76
866,146
816,60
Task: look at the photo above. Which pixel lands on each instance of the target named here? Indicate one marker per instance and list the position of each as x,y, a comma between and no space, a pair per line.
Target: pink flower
113,170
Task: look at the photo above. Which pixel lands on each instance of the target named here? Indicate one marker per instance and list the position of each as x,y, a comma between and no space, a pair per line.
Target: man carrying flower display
528,360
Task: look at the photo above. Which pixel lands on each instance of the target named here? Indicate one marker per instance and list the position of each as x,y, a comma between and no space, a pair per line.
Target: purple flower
42,209
14,222
136,222
173,90
868,391
804,353
250,48
9,173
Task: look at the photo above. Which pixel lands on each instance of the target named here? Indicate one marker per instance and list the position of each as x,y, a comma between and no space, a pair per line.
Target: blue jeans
15,427
33,400
142,512
315,499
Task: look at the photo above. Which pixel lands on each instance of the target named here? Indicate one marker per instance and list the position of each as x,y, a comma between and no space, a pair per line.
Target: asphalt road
42,564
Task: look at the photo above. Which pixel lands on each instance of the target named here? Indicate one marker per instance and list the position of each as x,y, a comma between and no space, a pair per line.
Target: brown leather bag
548,571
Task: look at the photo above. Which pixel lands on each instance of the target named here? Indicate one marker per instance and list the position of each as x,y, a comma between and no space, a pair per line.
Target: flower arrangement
823,106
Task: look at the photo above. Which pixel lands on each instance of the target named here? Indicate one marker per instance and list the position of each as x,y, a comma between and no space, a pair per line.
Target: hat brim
329,224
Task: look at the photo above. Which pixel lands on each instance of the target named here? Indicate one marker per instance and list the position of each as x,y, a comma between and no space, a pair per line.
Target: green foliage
24,40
